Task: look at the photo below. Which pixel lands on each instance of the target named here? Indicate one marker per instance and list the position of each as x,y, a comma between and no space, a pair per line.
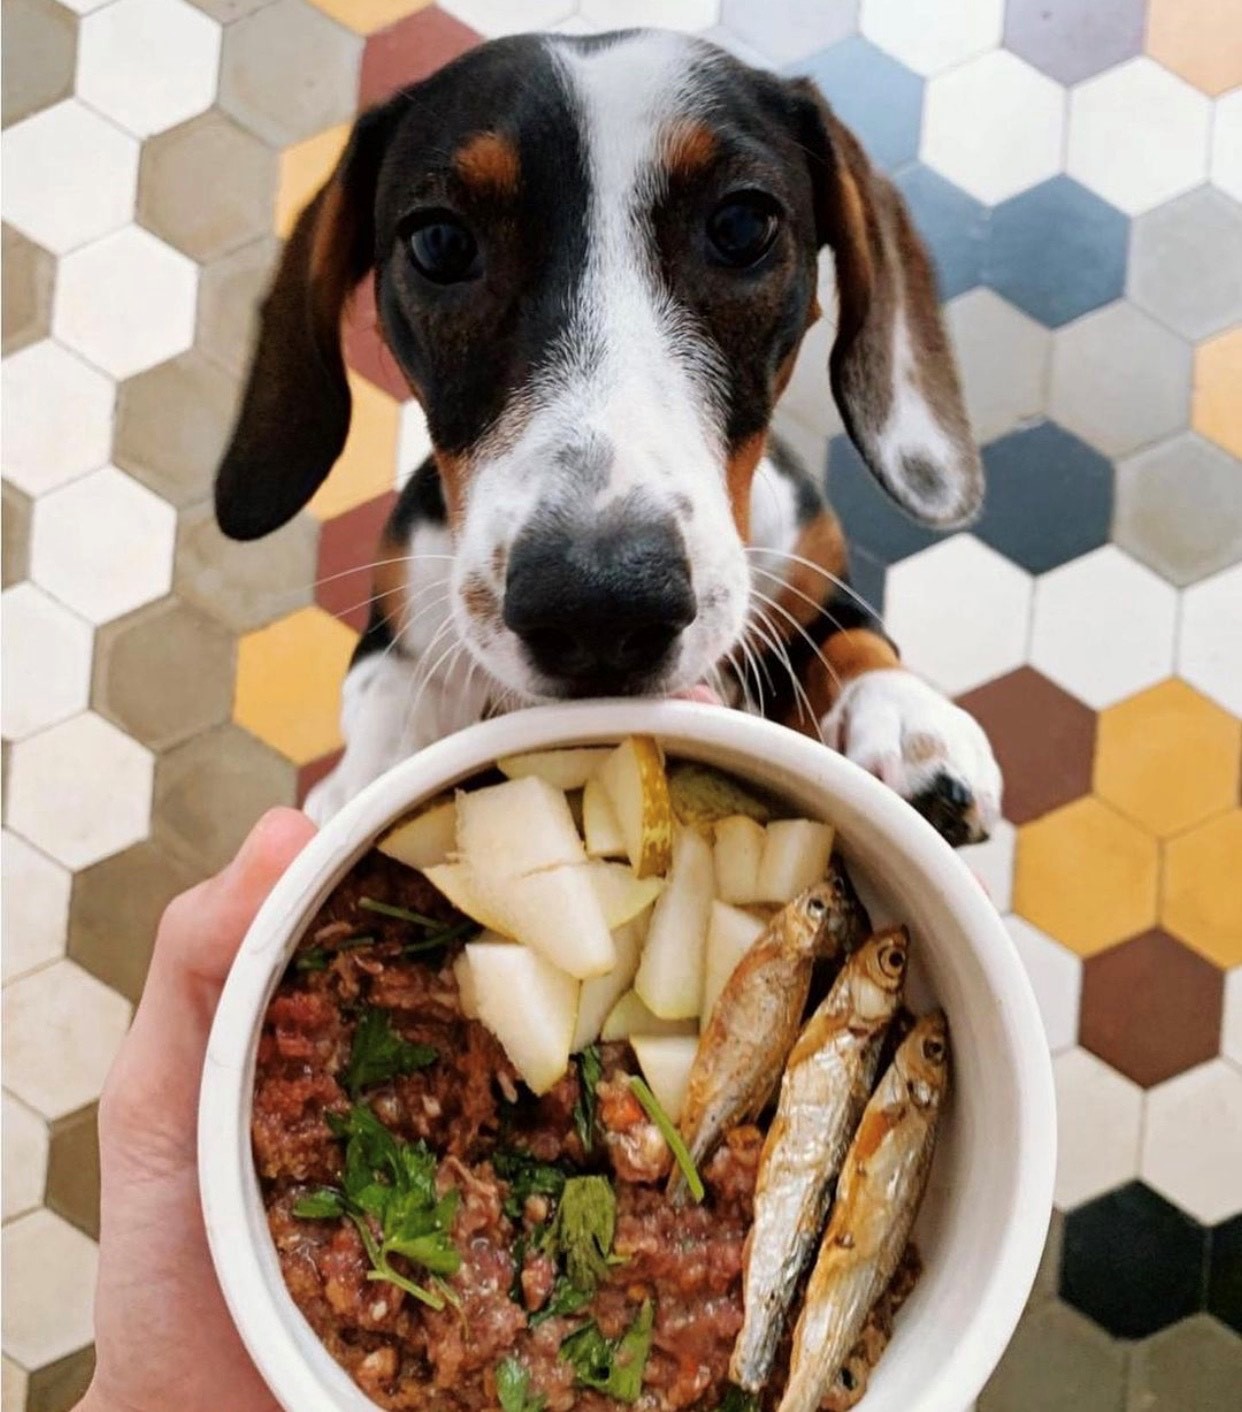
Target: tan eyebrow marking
689,146
489,162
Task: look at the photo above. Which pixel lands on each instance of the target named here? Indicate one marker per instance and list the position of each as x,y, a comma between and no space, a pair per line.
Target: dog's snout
600,609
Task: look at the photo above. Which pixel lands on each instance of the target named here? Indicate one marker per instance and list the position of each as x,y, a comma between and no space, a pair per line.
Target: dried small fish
755,1021
878,1197
827,1082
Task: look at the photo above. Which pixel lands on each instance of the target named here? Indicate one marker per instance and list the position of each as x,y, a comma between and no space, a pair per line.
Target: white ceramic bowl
982,1227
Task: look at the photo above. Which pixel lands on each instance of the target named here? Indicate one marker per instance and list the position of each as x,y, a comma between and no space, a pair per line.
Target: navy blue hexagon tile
953,225
1225,1273
873,523
1133,1263
1049,497
1057,251
880,99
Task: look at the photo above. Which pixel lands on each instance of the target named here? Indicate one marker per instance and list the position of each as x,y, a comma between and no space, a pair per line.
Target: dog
594,261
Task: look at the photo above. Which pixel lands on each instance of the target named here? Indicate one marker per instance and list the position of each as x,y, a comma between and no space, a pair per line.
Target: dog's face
595,260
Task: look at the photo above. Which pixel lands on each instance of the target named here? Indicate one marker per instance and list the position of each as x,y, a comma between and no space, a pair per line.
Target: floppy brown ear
891,366
294,415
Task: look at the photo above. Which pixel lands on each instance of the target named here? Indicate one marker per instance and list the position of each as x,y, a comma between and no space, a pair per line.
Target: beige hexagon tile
24,1159
1099,1119
73,1169
40,49
35,899
62,1028
46,654
1199,39
367,466
15,525
1216,409
57,417
229,293
60,1386
54,1266
1003,357
1192,1141
303,169
29,272
13,1383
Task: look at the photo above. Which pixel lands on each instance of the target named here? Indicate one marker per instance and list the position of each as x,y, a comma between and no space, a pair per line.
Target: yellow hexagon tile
304,168
1168,758
366,16
289,683
367,466
1086,876
1216,409
1201,896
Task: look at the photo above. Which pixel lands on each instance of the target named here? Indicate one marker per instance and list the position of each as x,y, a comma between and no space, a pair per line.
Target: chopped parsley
400,914
526,1176
590,1071
735,1400
513,1388
379,1053
392,1183
611,1366
319,958
565,1298
586,1220
651,1105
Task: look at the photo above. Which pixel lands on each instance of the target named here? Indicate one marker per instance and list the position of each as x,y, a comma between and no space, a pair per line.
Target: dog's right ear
294,415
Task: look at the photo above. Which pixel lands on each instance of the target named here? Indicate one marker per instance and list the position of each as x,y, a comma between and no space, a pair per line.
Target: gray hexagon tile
1070,40
1120,380
288,72
1195,1364
1186,263
29,272
786,30
230,291
40,50
1058,1360
852,73
1179,508
1003,357
57,417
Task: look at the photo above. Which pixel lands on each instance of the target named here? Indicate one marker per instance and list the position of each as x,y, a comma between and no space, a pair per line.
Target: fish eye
816,906
894,960
442,248
742,228
933,1049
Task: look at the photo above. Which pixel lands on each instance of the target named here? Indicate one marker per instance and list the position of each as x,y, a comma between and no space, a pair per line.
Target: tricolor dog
595,259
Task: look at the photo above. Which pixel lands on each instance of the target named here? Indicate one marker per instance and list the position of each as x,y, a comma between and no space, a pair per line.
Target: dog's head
595,260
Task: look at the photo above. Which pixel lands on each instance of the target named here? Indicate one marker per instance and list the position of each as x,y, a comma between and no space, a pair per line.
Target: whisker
819,569
804,701
797,626
787,587
379,564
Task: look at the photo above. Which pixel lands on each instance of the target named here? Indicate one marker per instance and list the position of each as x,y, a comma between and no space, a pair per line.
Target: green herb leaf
526,1176
440,938
651,1106
586,1221
590,1072
565,1298
379,1053
513,1388
612,1366
735,1400
314,959
400,914
320,1205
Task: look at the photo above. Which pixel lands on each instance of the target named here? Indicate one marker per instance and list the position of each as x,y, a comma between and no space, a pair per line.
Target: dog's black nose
600,609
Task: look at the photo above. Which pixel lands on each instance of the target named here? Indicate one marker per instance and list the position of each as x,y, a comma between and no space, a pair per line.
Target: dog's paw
324,799
930,751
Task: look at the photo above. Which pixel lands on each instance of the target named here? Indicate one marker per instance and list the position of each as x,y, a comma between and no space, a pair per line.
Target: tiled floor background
1077,168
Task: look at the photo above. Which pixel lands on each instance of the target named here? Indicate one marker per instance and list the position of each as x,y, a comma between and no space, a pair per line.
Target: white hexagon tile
36,907
1099,1119
24,1161
1192,1141
1056,977
46,653
54,1265
958,31
57,417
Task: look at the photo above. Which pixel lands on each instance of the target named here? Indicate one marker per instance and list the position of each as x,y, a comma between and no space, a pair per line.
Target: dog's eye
443,249
742,228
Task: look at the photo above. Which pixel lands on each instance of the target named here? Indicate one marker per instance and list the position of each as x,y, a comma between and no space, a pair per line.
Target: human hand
163,1335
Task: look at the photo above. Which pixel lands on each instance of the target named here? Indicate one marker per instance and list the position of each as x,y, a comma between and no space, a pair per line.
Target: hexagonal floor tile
1215,411
60,1386
29,273
1194,1364
1226,161
921,591
1056,978
47,662
1049,497
413,441
992,863
1201,901
1199,39
55,1267
36,908
954,227
124,562
302,170
1086,876
1057,251
230,290
789,29
1211,628
1192,1141
1070,41
62,1029
1186,263
244,585
1151,1008
1231,1021
969,28
1099,1120
173,424
366,351
210,791
1057,1359
1225,1274
25,1158
57,417
73,1170
126,302
689,15
1138,135
14,1384
212,154
409,51
497,17
366,467
343,589
1133,1263
852,73
1120,380
288,71
69,177
15,527
288,683
366,16
164,674
40,50
1043,738
1103,627
1002,357
80,791
1168,758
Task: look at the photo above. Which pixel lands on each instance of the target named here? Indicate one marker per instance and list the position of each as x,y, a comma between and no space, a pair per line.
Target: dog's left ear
891,366
295,413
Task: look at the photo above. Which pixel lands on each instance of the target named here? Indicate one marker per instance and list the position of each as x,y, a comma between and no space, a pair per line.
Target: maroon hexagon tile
310,775
365,349
410,50
348,546
1044,740
1151,1007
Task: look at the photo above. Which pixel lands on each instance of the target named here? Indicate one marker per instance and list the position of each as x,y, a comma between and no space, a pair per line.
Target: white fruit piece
529,1005
557,913
519,827
730,935
633,777
666,1061
425,840
670,975
795,856
739,852
600,993
629,1017
466,992
604,838
620,893
563,769
458,883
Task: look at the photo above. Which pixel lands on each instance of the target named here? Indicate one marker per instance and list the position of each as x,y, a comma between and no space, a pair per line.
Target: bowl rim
268,1321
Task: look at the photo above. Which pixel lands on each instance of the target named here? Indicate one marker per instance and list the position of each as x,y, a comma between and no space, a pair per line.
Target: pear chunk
795,857
563,769
604,838
633,778
629,1017
730,935
519,827
425,840
666,1061
528,1004
670,975
739,853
